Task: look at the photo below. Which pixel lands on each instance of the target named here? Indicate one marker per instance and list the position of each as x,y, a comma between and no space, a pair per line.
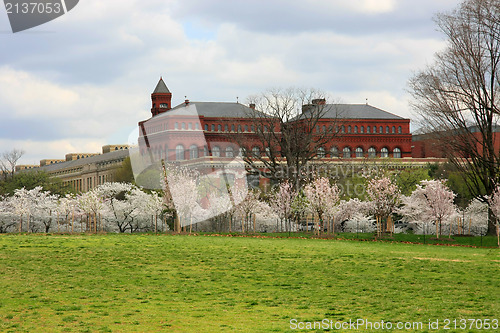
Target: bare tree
9,161
458,96
292,126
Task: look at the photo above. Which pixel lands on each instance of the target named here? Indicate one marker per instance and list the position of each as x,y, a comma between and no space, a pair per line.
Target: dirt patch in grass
441,259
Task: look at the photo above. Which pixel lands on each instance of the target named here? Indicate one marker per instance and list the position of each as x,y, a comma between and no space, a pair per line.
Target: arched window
396,153
374,129
246,128
179,152
193,152
255,151
232,128
216,151
265,129
359,152
205,151
321,152
381,130
229,152
196,126
367,129
346,152
213,127
241,152
372,152
384,152
219,128
387,130
362,130
400,130
183,126
206,127
356,129
334,152
176,126
226,128
343,129
349,129
239,128
252,128
324,129
393,129
268,152
190,126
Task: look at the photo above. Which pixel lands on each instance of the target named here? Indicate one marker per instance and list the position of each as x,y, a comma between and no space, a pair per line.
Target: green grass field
149,283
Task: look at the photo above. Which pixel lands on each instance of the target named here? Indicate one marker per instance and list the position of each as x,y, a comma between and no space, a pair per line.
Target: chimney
186,102
319,101
252,106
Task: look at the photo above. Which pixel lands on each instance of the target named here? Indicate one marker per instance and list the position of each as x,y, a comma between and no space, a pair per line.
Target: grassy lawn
147,283
477,241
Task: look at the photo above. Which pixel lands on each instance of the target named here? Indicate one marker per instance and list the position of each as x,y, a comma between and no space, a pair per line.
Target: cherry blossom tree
44,208
92,204
432,200
182,188
154,206
282,202
19,204
323,199
247,208
7,220
384,196
354,211
494,201
67,209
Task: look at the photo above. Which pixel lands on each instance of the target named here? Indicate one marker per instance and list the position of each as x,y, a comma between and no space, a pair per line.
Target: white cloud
81,86
28,95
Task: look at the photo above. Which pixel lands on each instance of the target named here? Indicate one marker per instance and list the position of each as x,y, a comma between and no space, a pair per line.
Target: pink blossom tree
494,202
384,196
323,199
282,202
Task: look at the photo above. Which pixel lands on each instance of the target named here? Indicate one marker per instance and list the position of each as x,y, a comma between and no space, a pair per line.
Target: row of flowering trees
188,199
431,203
109,207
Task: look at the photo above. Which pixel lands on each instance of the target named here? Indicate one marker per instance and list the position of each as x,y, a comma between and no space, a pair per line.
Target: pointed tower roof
161,88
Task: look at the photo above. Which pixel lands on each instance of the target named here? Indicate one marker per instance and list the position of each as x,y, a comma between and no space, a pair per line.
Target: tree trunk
438,225
492,227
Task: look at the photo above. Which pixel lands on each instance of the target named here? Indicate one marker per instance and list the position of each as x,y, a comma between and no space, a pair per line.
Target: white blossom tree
432,200
67,209
7,218
92,205
354,214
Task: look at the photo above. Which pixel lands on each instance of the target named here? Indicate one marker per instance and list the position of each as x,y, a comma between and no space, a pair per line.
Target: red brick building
431,146
193,130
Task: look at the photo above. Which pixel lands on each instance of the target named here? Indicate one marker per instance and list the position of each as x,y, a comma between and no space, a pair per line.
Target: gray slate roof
161,88
111,156
237,110
218,109
357,111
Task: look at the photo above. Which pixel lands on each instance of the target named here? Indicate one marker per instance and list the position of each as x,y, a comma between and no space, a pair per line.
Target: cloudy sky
84,80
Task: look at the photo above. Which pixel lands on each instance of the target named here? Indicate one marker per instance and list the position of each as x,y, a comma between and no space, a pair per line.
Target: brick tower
161,98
